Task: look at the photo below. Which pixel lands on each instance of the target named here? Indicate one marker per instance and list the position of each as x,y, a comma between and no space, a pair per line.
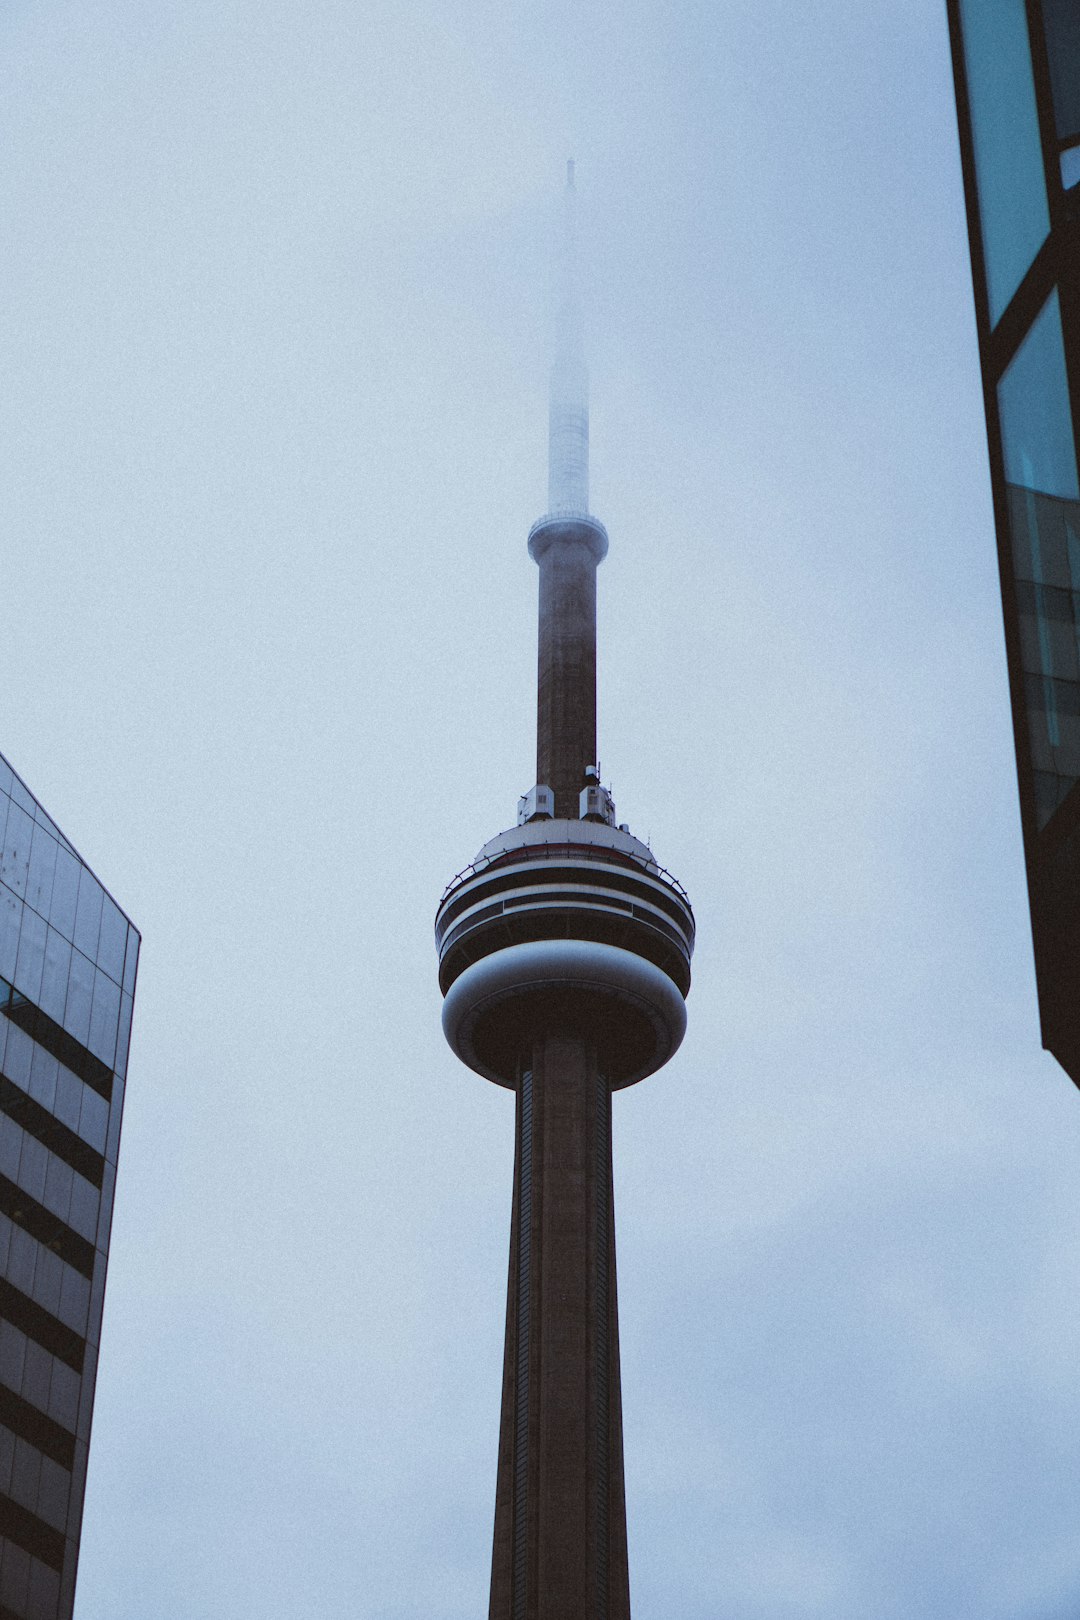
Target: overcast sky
273,427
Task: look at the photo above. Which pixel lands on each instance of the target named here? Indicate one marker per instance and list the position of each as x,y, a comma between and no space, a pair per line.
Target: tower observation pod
564,962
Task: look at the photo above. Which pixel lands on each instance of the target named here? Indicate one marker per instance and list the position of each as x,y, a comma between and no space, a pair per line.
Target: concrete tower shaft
567,551
564,962
559,1546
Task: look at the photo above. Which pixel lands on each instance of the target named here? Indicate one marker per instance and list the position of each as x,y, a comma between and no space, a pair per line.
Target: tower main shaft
560,1512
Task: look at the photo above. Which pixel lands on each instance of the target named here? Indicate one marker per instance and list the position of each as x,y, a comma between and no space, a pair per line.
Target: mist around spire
568,410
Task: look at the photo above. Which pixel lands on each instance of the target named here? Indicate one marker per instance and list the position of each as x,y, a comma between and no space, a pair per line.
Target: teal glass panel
1061,20
1036,419
1011,183
1044,524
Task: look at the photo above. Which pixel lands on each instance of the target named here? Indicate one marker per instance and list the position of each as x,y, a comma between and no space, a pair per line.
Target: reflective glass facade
68,960
1006,143
1017,69
1039,455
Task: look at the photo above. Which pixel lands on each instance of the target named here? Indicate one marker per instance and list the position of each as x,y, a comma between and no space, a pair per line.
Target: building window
1036,419
1011,183
1061,20
1039,454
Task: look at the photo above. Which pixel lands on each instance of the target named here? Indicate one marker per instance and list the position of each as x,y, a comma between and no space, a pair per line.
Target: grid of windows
68,962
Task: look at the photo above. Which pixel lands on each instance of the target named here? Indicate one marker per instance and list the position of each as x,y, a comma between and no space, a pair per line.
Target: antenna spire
567,544
568,411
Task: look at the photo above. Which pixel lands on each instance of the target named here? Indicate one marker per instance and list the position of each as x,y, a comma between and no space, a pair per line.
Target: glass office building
68,959
1017,72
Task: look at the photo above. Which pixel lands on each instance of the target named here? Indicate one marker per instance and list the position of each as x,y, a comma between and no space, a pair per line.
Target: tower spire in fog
568,407
564,960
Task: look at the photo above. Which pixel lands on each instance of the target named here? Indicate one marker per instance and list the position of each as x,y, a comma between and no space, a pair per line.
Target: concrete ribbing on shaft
566,668
560,1515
